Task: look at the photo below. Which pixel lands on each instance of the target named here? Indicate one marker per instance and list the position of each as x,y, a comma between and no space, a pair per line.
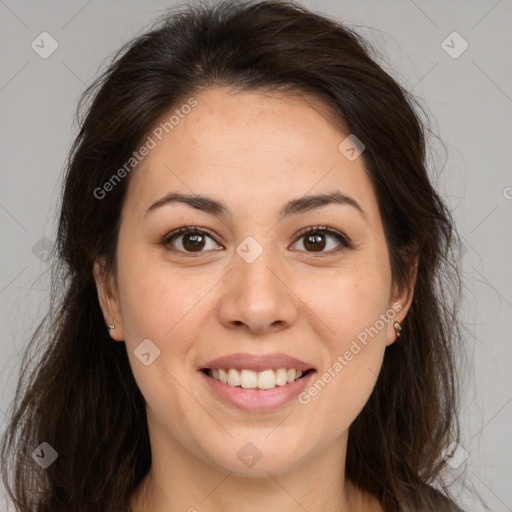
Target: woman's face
250,286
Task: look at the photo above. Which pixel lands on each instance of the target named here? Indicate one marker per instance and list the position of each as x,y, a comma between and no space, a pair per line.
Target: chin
256,456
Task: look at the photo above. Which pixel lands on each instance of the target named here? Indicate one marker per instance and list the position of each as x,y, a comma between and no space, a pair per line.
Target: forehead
257,148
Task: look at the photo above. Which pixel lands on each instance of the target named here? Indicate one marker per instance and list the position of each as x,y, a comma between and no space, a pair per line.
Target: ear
108,299
400,303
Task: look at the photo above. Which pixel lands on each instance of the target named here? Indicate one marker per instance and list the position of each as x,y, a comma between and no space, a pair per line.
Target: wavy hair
76,390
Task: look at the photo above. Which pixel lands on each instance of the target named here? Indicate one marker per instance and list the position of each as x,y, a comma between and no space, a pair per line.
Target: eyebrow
294,207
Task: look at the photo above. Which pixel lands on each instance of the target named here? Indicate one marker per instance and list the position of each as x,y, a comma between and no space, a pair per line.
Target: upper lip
258,362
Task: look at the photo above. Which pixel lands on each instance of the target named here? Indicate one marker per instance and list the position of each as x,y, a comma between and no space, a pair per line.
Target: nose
258,296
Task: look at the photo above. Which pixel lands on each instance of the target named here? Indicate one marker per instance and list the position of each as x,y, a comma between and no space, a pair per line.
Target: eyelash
340,237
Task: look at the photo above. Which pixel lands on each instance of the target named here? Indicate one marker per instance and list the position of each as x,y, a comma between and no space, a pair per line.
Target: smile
250,379
256,399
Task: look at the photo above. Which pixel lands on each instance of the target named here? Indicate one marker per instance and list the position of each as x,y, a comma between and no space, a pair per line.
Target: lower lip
257,400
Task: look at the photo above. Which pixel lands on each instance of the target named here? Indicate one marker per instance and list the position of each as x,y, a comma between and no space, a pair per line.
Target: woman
253,307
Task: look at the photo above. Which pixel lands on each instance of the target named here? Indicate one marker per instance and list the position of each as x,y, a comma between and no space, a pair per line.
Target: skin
254,152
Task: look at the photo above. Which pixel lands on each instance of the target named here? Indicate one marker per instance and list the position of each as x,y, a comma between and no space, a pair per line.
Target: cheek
349,304
353,311
163,308
167,308
154,301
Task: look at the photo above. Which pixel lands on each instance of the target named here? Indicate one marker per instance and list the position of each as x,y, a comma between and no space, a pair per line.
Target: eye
189,239
316,239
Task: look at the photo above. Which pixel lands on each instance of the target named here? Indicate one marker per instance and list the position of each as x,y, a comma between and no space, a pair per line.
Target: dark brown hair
76,390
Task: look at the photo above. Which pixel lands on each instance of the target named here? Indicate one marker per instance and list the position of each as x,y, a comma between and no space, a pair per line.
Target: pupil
318,244
193,241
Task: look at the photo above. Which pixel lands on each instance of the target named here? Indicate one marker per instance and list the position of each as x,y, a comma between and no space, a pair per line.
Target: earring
398,328
111,327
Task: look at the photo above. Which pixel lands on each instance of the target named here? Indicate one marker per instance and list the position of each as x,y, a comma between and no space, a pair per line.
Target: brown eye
315,242
193,241
317,239
188,240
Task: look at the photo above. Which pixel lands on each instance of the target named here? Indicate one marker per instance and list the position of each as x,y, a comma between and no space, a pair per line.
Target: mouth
254,380
256,391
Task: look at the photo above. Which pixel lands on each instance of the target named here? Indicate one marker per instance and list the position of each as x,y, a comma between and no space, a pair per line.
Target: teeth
281,378
291,374
249,379
266,379
233,377
223,376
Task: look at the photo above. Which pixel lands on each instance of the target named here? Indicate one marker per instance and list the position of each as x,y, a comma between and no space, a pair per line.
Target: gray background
469,99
